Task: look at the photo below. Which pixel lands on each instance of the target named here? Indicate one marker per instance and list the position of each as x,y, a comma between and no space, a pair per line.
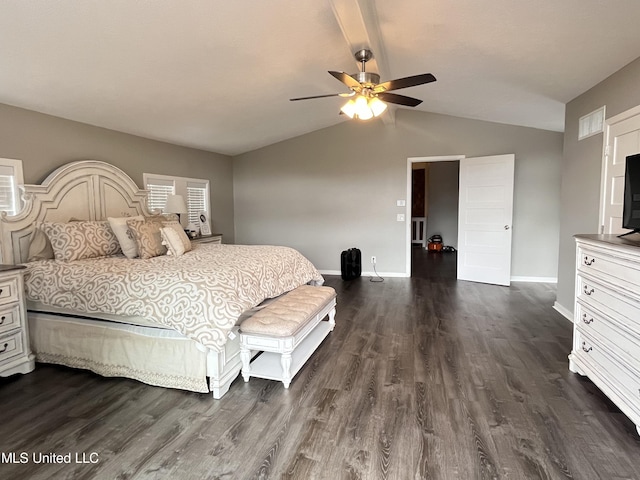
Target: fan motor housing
368,79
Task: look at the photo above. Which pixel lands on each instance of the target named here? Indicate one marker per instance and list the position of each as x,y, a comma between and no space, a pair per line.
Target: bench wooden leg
245,356
285,361
332,318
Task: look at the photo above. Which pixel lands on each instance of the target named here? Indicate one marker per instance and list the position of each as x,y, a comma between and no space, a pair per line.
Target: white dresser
606,332
15,354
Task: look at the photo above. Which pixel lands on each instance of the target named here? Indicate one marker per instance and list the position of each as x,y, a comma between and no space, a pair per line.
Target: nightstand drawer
9,318
9,291
215,238
11,346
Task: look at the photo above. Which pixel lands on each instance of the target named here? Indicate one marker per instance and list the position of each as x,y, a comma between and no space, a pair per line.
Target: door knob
506,227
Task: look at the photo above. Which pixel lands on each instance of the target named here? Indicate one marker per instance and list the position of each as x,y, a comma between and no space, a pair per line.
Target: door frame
607,149
407,215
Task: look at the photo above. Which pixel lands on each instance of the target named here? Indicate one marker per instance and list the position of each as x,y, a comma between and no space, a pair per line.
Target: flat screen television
631,206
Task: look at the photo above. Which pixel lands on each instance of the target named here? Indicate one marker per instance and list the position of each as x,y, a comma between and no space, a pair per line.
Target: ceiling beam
358,21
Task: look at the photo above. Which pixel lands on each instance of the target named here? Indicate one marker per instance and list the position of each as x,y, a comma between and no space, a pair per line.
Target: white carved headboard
86,190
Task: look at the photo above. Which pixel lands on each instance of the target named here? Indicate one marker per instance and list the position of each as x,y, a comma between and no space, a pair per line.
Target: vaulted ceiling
217,74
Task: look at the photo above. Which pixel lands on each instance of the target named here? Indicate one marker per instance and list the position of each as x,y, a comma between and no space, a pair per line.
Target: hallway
440,266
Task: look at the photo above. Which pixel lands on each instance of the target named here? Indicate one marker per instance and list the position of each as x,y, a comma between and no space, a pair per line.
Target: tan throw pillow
39,247
83,239
147,236
125,238
172,241
181,235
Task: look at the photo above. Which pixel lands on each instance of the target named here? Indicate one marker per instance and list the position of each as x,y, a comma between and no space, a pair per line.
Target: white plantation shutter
195,192
196,200
158,189
8,189
10,178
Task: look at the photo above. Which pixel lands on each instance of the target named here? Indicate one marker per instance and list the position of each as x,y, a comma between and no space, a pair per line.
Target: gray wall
43,143
337,188
581,168
442,192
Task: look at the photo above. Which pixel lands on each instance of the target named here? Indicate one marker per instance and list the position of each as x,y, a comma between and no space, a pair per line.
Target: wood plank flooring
423,378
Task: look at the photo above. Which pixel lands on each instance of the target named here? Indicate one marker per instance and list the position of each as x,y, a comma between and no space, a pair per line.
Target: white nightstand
15,353
214,238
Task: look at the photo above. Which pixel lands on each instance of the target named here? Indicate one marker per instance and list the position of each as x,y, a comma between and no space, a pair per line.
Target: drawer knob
585,320
587,291
588,262
585,348
4,349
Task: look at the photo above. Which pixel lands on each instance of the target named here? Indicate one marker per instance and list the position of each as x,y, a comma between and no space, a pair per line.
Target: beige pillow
125,238
147,236
39,247
172,241
181,235
83,239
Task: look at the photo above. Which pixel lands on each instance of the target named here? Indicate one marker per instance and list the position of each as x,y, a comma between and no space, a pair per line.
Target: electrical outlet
373,260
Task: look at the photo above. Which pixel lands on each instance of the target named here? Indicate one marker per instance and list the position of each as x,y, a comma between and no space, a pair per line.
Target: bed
167,320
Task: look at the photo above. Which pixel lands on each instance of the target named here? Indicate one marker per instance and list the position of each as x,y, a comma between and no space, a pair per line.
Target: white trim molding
535,279
565,312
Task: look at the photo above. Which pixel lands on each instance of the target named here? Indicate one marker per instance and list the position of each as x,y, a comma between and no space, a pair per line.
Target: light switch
401,203
400,217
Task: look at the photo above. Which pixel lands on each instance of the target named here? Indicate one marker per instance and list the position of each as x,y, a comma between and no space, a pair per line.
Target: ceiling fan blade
320,96
347,79
404,82
399,99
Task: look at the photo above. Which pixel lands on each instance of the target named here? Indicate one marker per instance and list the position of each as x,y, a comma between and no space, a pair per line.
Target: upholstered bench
287,332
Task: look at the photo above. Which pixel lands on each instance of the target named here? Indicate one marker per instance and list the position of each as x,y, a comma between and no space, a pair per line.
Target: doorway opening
432,207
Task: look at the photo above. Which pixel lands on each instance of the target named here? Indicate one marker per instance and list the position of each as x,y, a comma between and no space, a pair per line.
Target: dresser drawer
616,269
623,341
11,346
624,308
9,318
9,291
611,372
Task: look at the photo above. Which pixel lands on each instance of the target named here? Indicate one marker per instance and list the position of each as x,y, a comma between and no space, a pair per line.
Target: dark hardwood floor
422,378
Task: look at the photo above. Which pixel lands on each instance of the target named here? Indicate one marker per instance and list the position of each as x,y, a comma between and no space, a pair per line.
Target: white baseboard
565,312
367,274
535,279
405,275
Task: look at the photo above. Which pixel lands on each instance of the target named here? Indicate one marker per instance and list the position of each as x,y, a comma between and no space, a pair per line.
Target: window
197,200
10,178
194,191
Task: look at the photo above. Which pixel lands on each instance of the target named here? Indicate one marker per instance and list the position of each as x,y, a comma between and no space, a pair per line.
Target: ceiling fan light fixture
364,108
377,106
349,109
363,111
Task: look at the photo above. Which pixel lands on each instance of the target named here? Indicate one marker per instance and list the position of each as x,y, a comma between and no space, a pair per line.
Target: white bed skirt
155,356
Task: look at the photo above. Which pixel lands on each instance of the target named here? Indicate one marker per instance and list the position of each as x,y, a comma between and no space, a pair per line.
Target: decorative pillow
125,237
147,236
83,239
181,235
40,247
172,241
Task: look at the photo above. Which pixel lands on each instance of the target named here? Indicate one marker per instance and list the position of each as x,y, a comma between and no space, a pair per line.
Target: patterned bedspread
201,294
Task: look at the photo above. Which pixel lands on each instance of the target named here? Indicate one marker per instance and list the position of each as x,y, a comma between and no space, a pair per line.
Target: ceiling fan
367,95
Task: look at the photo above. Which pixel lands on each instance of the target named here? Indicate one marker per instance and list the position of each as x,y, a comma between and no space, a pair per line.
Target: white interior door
622,139
484,219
